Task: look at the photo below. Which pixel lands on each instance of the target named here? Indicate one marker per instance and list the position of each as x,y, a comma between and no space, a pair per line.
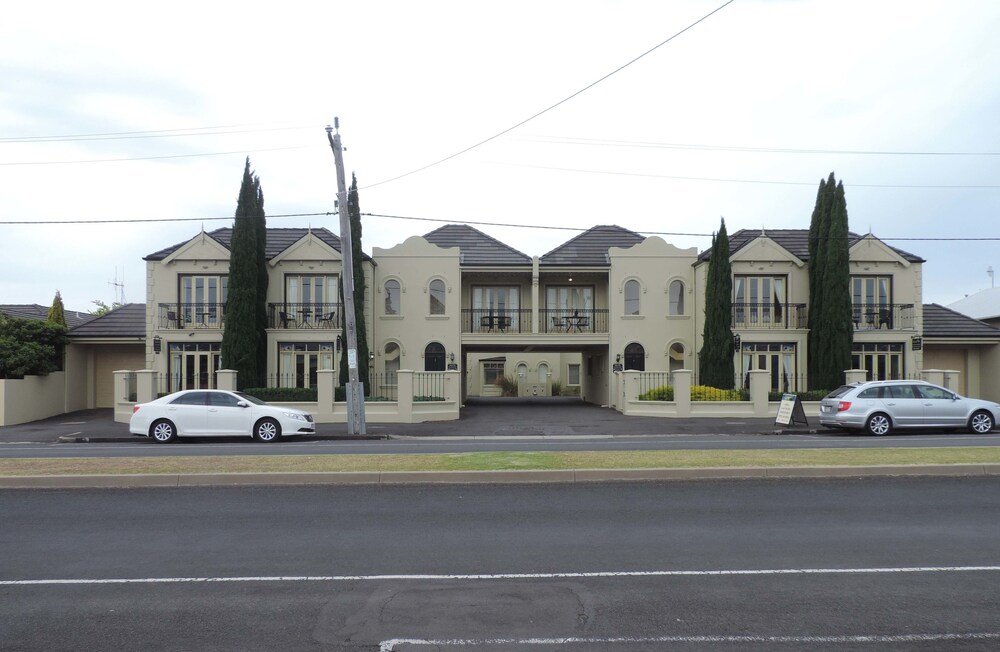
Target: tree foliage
103,308
360,285
30,347
831,321
57,313
245,336
715,359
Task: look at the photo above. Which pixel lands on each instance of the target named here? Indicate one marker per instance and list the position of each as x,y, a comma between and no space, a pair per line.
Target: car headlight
295,415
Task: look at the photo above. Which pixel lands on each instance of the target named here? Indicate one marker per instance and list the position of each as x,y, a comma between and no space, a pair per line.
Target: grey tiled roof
41,313
127,321
277,241
476,247
796,241
590,248
945,322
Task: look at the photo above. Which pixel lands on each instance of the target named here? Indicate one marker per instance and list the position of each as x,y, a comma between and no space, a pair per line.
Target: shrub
811,395
706,393
661,393
557,388
283,394
507,385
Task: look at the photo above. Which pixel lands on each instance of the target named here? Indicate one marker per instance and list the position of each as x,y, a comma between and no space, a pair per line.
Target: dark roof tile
590,248
796,241
277,241
41,313
476,247
945,322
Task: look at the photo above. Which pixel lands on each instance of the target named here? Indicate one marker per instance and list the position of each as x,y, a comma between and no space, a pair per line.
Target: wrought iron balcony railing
184,316
304,315
769,315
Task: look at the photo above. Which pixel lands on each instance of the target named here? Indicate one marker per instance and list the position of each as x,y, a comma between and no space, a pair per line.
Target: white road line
390,645
510,576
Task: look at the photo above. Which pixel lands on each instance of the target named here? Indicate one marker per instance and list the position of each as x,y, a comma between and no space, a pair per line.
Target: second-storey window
392,306
437,291
676,295
632,297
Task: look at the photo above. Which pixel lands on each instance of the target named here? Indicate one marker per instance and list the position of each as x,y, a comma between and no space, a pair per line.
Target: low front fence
394,397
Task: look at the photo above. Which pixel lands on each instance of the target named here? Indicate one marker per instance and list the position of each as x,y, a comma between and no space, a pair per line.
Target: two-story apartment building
457,298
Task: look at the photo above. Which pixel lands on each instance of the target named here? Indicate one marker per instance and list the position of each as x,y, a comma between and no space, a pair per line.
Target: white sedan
216,413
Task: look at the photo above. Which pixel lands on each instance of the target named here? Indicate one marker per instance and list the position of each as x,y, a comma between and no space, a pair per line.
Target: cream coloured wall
655,264
414,264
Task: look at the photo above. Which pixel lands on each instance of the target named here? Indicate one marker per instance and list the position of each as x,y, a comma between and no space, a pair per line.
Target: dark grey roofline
298,233
796,242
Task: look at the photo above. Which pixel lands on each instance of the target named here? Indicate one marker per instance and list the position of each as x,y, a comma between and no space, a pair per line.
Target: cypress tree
241,339
360,285
830,318
57,313
260,260
715,360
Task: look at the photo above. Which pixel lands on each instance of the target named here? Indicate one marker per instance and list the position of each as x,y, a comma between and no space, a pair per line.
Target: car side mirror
242,404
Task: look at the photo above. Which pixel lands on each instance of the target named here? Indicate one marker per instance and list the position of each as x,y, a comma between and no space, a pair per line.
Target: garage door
109,359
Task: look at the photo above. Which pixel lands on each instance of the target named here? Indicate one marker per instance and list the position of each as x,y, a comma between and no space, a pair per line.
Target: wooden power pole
355,389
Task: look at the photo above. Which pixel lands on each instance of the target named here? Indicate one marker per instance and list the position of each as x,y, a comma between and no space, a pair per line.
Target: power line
454,221
155,133
760,181
570,140
158,158
559,103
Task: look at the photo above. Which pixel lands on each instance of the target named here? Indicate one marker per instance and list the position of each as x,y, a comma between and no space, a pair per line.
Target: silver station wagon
884,405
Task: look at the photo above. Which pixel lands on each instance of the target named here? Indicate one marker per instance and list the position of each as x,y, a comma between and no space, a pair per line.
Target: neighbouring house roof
277,241
796,241
41,313
476,247
590,248
128,321
945,322
981,305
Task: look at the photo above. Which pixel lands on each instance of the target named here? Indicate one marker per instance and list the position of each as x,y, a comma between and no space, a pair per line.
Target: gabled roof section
590,248
277,241
477,248
796,241
41,313
127,321
944,322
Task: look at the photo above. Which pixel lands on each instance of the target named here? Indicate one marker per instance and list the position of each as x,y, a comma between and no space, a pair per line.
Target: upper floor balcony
749,316
883,316
298,316
483,321
188,316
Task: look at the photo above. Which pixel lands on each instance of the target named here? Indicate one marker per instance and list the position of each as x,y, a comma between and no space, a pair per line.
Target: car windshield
840,391
250,399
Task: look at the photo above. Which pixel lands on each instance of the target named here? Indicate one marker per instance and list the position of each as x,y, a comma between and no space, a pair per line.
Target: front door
193,366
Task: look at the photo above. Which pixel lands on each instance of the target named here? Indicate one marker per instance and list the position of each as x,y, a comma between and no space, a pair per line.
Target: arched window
635,357
676,356
676,298
543,372
437,297
392,297
522,370
391,362
632,297
434,357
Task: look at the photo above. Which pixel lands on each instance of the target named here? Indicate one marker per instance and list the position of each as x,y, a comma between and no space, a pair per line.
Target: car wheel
878,424
163,432
981,422
267,430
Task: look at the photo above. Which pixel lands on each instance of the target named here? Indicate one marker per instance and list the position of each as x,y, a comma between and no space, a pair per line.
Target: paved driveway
481,417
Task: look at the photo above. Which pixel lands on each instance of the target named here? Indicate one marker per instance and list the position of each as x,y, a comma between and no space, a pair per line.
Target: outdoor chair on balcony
283,319
326,321
172,321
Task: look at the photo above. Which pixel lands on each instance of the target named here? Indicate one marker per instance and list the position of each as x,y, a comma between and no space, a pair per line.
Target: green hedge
283,394
662,393
706,393
811,395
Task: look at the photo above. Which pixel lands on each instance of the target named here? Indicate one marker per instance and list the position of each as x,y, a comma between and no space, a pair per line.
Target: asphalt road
555,424
874,564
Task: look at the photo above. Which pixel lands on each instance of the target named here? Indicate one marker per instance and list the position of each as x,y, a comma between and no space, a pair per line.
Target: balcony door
871,297
759,301
310,298
491,303
202,298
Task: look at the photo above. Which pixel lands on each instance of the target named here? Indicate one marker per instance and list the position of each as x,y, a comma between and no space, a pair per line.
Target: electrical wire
157,133
557,104
159,158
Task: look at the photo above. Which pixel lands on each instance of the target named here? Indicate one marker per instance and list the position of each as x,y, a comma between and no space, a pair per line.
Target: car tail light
843,405
135,408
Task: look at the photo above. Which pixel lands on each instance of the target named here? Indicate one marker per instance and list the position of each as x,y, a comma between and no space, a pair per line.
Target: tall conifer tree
242,337
716,368
360,284
57,313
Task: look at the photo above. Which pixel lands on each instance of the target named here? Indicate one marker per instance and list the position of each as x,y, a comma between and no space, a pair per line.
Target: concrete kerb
485,477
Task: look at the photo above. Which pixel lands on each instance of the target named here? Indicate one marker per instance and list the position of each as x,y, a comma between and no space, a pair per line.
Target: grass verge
500,461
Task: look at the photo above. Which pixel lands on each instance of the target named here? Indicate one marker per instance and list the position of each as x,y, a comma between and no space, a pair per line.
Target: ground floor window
882,360
299,362
192,365
492,371
573,374
778,358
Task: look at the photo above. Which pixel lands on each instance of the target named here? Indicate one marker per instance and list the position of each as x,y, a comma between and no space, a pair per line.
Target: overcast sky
898,98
